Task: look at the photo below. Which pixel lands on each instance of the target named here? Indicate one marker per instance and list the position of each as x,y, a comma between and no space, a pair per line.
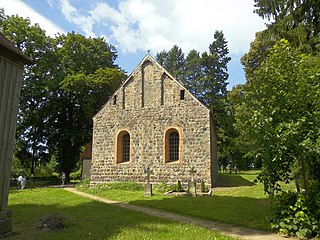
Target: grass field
88,219
239,202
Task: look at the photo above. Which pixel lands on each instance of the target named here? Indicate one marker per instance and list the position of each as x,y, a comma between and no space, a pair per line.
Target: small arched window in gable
172,145
123,147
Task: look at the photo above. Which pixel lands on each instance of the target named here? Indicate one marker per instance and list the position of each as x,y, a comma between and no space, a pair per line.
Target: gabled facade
152,121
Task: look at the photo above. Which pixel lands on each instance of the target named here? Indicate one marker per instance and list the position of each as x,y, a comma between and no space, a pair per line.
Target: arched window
123,147
172,145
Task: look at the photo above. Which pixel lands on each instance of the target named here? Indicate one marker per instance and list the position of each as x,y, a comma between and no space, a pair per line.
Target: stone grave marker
192,184
148,185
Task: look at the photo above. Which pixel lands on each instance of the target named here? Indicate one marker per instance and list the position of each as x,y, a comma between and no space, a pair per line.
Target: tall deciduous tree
83,77
31,40
72,76
279,117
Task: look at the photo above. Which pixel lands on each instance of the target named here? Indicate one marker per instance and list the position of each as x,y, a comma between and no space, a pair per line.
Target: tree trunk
304,175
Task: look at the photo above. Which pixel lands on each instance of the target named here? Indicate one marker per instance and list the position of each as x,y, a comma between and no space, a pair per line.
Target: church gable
151,121
149,86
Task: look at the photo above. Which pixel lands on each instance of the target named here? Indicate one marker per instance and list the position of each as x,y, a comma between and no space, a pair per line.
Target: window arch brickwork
173,145
123,147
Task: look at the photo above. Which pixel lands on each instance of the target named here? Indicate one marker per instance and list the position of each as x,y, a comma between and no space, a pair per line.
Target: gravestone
148,185
192,191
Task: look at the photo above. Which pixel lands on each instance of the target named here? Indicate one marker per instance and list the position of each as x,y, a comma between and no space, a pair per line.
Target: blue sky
135,26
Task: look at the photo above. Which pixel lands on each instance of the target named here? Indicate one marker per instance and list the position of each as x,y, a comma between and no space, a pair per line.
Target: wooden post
11,75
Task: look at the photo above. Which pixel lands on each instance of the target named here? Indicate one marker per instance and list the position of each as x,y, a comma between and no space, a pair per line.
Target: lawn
240,202
88,219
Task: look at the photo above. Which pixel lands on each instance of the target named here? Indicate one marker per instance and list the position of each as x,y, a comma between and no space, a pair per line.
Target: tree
298,21
258,53
173,61
214,91
193,73
32,41
305,12
279,117
215,73
84,77
70,79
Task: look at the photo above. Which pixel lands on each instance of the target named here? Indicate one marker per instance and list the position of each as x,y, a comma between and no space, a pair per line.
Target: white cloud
17,7
139,25
51,3
151,24
72,15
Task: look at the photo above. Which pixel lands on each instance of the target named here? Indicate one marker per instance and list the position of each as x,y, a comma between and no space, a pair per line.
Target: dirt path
235,231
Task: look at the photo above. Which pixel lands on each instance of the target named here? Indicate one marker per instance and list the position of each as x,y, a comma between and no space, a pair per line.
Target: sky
137,26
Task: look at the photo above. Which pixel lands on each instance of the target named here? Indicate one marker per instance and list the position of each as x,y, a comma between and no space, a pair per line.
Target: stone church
153,121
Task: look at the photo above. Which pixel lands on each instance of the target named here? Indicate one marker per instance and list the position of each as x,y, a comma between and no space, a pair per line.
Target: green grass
243,204
88,219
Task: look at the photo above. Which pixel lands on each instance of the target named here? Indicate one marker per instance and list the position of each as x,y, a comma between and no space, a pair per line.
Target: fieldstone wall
146,106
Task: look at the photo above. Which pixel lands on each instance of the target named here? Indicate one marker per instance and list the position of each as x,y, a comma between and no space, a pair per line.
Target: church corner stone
151,120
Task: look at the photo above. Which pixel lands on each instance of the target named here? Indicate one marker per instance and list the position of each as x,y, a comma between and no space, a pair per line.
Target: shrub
292,216
76,175
164,187
83,185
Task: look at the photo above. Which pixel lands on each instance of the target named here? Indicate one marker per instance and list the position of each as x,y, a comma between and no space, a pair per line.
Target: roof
8,50
148,57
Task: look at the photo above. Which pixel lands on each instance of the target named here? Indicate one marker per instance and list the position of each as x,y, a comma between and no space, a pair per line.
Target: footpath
227,229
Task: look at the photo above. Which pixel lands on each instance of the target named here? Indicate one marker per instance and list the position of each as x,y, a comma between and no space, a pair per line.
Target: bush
75,175
83,185
164,187
17,169
292,216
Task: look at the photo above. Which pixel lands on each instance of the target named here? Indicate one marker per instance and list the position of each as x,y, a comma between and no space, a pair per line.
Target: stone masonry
149,105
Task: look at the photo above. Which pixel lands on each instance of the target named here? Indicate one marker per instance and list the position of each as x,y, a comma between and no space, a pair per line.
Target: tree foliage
296,12
70,79
173,61
279,116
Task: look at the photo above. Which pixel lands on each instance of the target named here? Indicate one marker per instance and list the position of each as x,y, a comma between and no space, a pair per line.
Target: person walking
63,178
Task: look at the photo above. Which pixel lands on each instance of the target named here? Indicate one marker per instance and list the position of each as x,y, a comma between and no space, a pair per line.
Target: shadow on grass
87,219
232,180
92,220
